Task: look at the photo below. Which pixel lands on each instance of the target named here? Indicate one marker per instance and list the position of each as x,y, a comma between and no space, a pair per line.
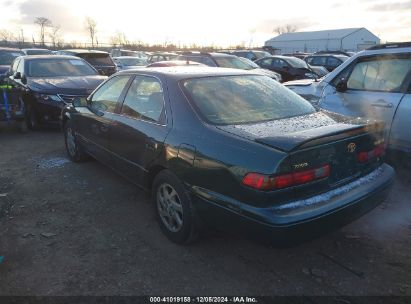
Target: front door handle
382,104
151,143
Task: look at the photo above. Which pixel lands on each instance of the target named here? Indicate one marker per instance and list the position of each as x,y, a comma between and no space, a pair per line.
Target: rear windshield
232,62
97,59
297,63
38,52
7,57
58,67
226,100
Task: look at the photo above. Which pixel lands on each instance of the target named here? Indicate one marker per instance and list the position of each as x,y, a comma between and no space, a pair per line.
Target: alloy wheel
169,207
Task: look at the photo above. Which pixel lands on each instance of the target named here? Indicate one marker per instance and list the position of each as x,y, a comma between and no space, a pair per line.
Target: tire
31,118
74,151
174,211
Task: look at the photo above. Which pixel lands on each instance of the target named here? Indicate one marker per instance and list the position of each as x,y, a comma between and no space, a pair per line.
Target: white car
375,83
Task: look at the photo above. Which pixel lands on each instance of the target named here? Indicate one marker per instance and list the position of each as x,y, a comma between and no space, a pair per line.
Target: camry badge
351,147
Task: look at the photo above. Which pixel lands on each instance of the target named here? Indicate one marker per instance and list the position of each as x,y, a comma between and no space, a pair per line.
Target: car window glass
243,99
333,62
106,97
379,74
266,62
277,63
144,99
15,65
319,60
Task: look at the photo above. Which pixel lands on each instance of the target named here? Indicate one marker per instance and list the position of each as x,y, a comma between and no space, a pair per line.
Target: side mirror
80,102
23,79
341,86
17,75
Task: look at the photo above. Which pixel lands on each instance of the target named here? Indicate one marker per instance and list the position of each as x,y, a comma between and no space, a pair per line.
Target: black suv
49,82
98,59
329,61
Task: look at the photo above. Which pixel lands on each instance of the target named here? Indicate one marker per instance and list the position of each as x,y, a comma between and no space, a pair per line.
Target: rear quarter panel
400,135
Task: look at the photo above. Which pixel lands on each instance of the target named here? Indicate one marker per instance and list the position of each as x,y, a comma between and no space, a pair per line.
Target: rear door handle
382,104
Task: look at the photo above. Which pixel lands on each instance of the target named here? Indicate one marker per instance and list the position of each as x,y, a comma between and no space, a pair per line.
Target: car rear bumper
297,220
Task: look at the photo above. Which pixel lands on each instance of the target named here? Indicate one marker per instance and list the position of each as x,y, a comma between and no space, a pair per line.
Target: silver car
375,83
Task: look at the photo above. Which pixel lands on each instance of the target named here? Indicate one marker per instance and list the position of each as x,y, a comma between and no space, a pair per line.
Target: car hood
289,133
4,69
81,85
310,89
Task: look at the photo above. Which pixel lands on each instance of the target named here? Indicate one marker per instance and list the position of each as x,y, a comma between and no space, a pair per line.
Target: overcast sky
219,22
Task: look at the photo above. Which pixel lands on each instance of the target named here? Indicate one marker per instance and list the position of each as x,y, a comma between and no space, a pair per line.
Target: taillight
268,182
366,156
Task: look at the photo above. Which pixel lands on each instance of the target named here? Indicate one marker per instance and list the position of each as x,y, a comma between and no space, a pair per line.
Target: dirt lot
79,229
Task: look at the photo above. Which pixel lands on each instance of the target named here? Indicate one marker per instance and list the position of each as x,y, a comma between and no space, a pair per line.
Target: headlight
48,98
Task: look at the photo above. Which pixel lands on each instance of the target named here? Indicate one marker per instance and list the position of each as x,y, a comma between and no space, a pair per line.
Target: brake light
366,156
266,182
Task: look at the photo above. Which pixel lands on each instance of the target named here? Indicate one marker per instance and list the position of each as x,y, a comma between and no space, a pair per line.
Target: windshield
97,59
297,63
250,63
226,100
58,67
7,57
233,62
135,61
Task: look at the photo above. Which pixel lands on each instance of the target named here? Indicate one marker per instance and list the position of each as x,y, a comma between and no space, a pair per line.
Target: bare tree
288,28
6,36
54,34
43,23
91,25
119,38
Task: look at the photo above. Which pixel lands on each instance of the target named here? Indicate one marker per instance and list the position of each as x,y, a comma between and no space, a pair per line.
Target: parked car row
375,83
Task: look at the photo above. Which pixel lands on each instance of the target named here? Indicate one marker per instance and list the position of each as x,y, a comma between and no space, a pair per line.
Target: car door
400,134
371,87
282,67
140,128
93,124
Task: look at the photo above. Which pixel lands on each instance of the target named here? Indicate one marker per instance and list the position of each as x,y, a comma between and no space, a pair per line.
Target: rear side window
333,62
106,97
145,100
226,100
379,74
97,59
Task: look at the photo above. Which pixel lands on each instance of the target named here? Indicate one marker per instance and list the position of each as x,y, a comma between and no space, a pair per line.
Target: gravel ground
80,229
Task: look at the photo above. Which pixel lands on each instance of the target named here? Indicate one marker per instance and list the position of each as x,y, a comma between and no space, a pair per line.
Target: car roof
207,54
127,57
81,51
34,57
10,49
35,49
182,72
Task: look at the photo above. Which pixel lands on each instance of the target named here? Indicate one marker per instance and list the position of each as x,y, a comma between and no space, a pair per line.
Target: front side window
225,100
379,74
333,62
319,60
107,96
145,100
15,65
